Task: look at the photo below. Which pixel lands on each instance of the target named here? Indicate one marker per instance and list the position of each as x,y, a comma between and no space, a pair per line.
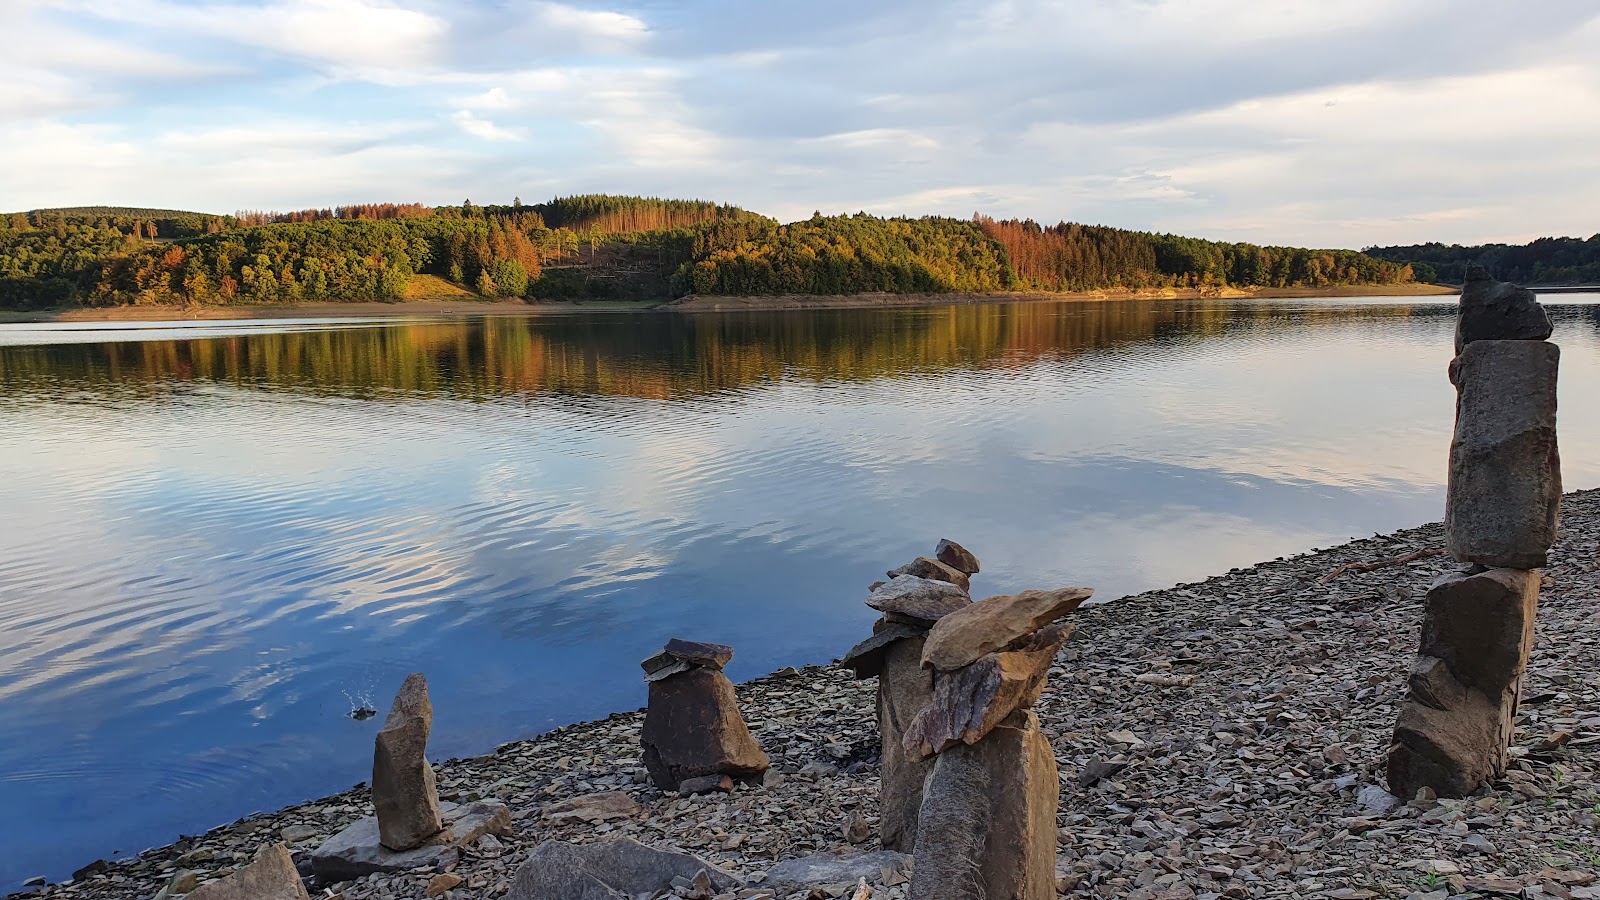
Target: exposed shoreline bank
454,307
1244,784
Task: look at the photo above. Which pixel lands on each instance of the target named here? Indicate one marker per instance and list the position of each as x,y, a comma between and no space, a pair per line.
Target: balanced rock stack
411,828
987,826
694,739
1501,511
918,595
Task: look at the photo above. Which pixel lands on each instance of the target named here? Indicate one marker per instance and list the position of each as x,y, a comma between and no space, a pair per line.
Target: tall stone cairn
403,788
917,595
1501,511
693,735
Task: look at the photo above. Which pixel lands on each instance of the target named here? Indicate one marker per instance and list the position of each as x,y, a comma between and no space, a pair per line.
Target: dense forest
1546,261
604,247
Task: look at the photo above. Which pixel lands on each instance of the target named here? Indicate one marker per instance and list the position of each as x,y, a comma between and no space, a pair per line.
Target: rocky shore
1219,739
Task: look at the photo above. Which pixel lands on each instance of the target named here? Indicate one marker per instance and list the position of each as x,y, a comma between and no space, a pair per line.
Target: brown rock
866,658
692,728
933,570
1461,710
442,884
270,875
918,599
904,690
402,781
972,701
1504,492
961,637
988,824
1496,311
592,808
956,556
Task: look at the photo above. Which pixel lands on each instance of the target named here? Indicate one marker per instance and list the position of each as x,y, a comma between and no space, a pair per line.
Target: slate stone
358,851
866,658
271,875
403,787
961,637
920,599
692,727
712,656
905,689
988,822
610,870
933,570
793,875
956,556
1448,736
1496,311
1504,491
971,701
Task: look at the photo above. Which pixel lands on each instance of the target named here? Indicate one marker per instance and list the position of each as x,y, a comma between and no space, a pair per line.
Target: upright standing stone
403,788
987,829
692,726
904,690
1461,708
1504,492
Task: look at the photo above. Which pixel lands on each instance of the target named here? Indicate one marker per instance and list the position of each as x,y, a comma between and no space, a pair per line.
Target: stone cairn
694,739
411,828
970,785
1501,511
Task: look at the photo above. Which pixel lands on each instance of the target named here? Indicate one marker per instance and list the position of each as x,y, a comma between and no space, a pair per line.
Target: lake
220,538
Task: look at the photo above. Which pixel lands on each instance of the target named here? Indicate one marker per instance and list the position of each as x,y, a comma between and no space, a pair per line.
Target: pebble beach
1218,739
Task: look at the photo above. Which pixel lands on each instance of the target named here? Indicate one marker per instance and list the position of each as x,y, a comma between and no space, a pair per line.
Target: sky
1300,122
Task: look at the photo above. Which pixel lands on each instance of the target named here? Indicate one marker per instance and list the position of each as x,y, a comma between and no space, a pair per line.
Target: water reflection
214,547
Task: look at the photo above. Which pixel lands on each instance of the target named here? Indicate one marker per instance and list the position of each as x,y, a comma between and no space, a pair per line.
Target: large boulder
970,702
1504,494
618,869
403,788
358,850
921,600
1496,311
958,639
271,875
692,728
933,570
1460,711
956,556
988,825
793,875
905,689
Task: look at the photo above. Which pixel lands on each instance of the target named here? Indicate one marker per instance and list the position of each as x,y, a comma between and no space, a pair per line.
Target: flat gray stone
271,875
622,868
829,868
1503,496
357,850
933,570
866,658
920,599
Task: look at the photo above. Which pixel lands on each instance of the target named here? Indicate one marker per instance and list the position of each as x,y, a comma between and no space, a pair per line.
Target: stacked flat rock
915,598
411,828
1501,512
693,735
987,824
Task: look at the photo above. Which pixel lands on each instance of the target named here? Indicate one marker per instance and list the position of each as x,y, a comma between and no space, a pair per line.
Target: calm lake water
219,538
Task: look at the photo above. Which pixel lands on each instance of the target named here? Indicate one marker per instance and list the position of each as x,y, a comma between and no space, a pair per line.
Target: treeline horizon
614,247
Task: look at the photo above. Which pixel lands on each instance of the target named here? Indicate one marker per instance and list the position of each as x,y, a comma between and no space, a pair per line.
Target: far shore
424,307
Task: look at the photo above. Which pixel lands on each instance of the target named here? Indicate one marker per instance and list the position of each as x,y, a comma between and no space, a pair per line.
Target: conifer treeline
605,246
1563,260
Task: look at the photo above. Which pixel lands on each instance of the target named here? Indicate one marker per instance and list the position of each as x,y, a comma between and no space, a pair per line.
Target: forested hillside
605,247
1563,260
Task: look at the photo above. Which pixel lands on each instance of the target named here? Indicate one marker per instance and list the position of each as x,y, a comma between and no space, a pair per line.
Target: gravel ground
1245,782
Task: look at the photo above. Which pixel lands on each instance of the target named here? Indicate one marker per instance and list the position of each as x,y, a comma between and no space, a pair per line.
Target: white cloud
599,30
485,129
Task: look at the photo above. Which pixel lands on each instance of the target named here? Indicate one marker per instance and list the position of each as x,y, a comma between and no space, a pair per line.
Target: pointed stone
956,556
918,599
972,701
960,638
271,875
1504,491
988,824
403,787
693,728
1496,311
933,570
